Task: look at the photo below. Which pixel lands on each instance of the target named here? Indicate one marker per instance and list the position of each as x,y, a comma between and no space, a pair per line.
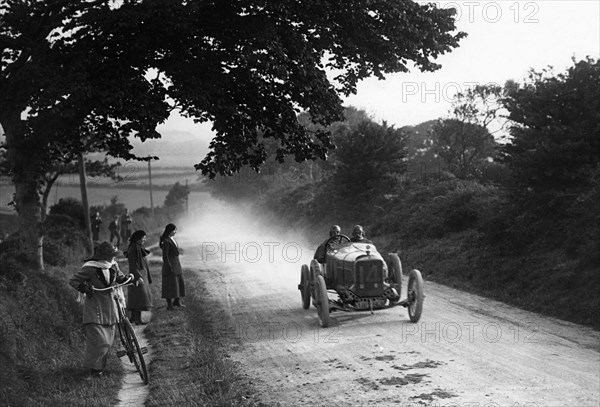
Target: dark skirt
173,286
139,298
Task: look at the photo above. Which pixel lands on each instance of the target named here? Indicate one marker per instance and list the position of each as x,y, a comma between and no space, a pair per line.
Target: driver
330,244
358,235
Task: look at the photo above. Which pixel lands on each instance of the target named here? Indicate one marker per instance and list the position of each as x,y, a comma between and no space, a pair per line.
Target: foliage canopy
370,160
555,148
119,68
76,75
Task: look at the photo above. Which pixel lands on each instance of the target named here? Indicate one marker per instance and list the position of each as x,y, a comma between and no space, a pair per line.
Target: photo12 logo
525,12
290,332
251,252
440,92
452,332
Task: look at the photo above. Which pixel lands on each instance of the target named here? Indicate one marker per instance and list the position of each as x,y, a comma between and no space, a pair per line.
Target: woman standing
172,279
138,294
99,311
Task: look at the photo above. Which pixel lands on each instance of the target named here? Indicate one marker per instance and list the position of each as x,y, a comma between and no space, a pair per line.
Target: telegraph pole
187,199
150,184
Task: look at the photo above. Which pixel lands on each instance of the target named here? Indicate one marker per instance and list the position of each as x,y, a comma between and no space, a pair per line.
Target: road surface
465,351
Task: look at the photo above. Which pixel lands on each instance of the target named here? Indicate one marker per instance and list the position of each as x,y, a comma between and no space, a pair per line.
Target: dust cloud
235,236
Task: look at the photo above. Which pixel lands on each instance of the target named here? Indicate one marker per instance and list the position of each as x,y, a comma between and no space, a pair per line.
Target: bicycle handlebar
126,282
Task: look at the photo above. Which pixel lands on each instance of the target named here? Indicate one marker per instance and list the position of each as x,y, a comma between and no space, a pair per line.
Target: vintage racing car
362,280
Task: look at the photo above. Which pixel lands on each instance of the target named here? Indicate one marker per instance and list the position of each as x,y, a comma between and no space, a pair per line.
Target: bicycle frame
131,346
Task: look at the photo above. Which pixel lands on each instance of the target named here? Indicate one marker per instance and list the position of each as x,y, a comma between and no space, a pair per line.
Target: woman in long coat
99,309
173,288
138,295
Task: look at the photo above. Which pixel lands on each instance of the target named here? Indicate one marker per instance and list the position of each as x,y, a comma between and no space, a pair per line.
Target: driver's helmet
358,232
335,230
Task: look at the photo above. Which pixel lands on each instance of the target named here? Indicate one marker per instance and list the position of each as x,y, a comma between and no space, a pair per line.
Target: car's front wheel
415,295
395,273
321,301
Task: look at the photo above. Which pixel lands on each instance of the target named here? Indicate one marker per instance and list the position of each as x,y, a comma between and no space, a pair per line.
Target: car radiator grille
369,278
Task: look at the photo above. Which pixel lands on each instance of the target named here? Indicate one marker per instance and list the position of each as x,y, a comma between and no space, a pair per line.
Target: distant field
132,190
133,198
136,174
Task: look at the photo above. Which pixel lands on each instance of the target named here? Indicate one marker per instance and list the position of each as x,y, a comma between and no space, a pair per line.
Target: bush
11,271
69,207
64,240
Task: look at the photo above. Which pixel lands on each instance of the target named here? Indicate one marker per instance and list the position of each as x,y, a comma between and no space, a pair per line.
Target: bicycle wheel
133,349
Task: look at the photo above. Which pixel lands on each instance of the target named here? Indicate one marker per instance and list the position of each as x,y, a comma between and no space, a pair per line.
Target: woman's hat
106,251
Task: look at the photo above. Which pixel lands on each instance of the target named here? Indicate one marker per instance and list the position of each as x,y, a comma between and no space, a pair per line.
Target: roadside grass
190,363
42,346
42,343
543,282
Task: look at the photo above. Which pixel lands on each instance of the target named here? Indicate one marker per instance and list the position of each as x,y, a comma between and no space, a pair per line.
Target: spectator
114,227
125,226
138,294
95,224
173,288
99,311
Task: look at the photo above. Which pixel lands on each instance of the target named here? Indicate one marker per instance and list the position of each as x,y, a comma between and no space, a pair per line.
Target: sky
505,40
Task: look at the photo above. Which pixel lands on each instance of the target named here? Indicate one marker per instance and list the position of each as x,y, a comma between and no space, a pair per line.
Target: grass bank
42,345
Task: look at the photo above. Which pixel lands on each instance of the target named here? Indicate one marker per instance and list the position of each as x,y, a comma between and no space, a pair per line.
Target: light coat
100,308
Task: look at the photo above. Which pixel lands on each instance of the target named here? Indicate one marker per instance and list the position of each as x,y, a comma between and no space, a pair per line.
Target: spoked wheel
396,273
305,286
415,295
321,301
133,349
315,270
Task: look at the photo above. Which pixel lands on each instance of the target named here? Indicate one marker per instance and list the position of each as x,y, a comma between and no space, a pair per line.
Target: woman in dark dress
138,295
173,288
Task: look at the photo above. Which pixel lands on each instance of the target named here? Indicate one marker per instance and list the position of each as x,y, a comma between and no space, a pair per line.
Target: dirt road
465,351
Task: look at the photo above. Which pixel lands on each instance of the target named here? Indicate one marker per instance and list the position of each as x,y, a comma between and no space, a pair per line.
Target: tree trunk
24,162
85,203
29,210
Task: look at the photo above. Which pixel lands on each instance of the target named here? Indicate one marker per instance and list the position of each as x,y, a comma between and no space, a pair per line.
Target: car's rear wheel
415,295
321,301
305,286
396,273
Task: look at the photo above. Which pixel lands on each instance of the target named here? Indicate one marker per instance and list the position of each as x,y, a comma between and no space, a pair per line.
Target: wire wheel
133,350
415,295
305,286
395,273
321,301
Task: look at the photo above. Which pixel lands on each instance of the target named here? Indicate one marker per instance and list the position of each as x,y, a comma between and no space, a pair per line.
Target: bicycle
131,346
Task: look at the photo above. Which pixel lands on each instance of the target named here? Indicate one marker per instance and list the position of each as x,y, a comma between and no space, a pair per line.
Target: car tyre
415,295
314,271
321,301
305,286
396,272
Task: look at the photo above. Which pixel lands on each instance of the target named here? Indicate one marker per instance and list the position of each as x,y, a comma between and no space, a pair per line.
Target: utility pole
84,201
150,184
187,199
